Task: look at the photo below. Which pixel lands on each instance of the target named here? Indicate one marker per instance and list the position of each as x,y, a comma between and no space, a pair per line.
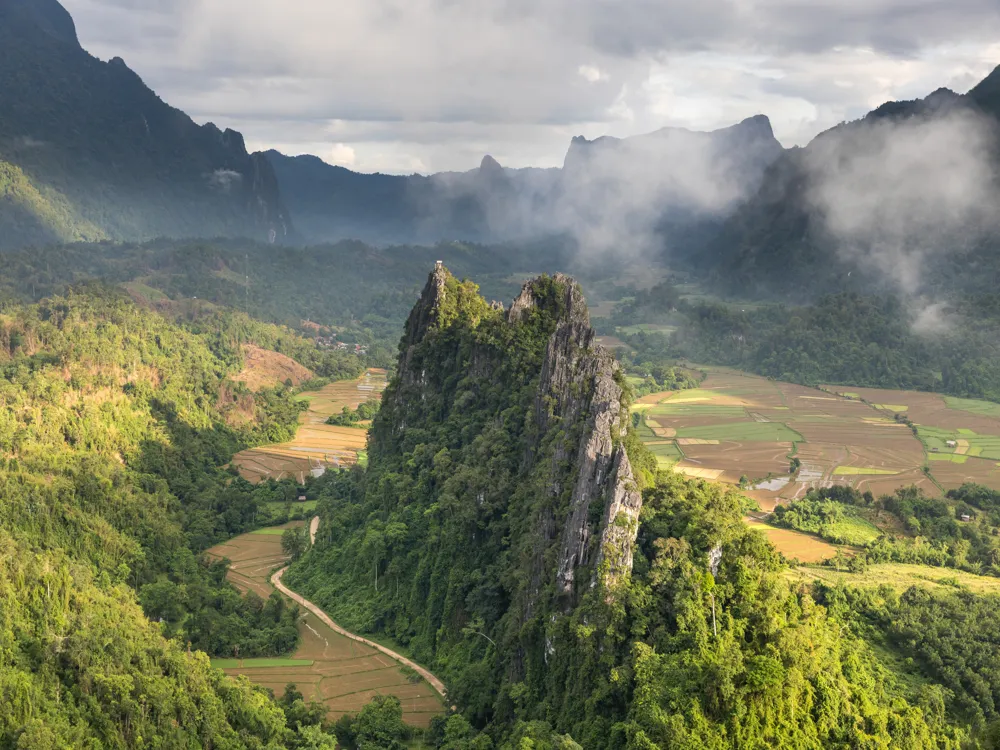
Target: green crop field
743,432
947,457
852,530
935,438
859,471
698,410
253,663
901,576
983,408
647,328
667,454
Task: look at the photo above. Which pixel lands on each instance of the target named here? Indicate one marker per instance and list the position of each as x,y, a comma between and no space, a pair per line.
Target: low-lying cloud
896,195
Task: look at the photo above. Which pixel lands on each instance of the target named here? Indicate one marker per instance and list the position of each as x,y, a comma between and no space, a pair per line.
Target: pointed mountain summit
490,165
30,17
88,151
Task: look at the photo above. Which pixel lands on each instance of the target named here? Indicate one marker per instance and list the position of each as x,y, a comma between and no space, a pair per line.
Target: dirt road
313,528
303,602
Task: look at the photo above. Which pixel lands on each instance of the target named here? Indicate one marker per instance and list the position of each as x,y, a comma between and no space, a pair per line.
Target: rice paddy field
317,446
960,437
738,425
795,545
327,667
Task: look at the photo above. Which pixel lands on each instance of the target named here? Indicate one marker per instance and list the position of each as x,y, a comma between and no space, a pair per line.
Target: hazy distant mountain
641,181
901,197
88,151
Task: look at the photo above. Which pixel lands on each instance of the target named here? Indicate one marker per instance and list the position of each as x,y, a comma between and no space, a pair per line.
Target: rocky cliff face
578,385
585,522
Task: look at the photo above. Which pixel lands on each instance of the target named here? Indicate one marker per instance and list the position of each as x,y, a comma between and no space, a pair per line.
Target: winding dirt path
431,679
313,528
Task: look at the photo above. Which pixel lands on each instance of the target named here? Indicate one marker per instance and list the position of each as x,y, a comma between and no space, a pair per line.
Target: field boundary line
301,600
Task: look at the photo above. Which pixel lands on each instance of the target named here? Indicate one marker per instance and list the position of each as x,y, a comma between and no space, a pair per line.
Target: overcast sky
427,85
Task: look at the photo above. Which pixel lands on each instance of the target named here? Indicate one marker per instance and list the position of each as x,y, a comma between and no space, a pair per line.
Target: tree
379,725
293,542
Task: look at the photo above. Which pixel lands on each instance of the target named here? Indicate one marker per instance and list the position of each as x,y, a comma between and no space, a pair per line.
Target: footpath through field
302,601
331,665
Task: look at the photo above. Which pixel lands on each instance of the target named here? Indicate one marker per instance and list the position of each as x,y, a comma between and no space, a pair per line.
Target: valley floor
317,446
331,666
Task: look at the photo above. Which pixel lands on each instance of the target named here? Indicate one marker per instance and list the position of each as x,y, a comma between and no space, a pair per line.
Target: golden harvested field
335,670
266,369
736,425
901,577
317,446
794,544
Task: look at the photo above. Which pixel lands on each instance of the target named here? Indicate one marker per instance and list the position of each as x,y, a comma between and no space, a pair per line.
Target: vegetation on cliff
457,540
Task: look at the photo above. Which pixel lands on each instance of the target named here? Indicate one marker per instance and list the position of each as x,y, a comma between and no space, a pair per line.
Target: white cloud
592,74
342,155
896,194
491,68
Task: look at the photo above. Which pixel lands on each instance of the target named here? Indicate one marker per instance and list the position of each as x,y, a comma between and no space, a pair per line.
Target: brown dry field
929,409
795,545
317,446
345,674
750,459
837,432
612,342
979,470
266,369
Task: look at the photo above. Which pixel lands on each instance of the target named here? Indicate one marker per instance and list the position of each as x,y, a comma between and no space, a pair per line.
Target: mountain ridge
781,240
125,161
494,203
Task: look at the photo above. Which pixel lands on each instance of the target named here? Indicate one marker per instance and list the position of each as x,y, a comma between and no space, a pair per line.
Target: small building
965,517
951,443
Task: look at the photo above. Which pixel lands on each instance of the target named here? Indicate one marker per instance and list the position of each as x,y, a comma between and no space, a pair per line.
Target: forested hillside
115,426
89,152
511,531
879,341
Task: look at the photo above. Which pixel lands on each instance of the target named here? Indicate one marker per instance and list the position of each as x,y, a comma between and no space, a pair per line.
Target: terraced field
317,446
327,667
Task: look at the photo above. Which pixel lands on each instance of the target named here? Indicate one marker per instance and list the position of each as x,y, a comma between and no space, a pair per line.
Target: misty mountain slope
129,165
333,203
609,192
896,199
